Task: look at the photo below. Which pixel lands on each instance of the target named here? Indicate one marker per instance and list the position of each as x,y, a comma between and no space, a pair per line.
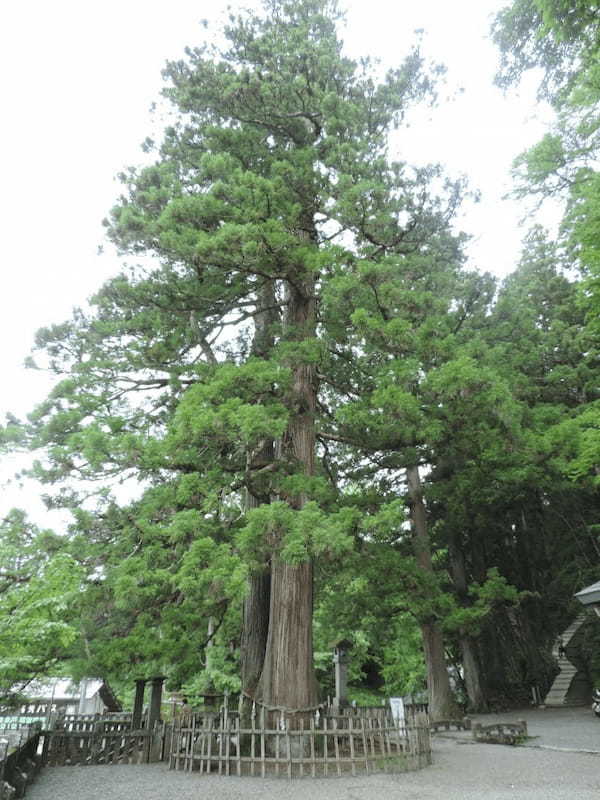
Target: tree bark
255,625
255,629
475,693
442,704
288,678
472,672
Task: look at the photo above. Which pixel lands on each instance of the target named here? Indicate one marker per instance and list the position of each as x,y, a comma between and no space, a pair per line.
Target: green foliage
493,592
39,588
274,140
298,535
365,697
562,37
403,667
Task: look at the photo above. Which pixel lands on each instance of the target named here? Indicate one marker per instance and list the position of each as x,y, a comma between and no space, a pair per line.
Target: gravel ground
563,728
461,771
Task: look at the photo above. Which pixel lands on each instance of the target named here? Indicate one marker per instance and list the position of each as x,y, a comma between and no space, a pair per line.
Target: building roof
57,689
589,595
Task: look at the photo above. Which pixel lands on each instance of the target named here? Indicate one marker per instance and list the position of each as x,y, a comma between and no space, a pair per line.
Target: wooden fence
412,710
19,760
251,741
90,739
263,743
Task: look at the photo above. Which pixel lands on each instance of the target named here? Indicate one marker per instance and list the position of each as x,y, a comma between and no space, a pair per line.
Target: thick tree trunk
288,679
255,626
472,673
255,623
255,629
442,704
475,693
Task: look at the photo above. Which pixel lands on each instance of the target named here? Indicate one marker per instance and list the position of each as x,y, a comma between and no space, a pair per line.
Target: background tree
39,584
562,38
403,307
512,505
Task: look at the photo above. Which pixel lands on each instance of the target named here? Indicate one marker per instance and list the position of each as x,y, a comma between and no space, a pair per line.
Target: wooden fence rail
82,748
381,712
90,739
261,744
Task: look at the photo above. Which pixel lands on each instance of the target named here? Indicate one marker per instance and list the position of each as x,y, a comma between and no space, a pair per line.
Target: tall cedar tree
274,135
273,179
398,356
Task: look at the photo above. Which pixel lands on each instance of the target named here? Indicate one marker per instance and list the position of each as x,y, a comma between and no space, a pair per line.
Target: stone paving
555,728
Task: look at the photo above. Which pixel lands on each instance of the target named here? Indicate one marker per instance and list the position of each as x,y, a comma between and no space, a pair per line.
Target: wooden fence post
138,704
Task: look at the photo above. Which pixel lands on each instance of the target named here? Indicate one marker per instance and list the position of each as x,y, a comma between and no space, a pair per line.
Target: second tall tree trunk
442,704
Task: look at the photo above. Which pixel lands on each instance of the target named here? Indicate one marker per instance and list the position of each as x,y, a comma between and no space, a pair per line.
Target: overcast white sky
78,79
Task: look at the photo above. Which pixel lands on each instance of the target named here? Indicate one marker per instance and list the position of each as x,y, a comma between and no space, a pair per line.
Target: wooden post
352,753
313,757
82,696
138,705
3,756
154,718
155,701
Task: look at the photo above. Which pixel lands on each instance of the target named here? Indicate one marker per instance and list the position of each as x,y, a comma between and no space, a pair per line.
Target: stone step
565,676
560,688
564,704
574,626
564,681
571,630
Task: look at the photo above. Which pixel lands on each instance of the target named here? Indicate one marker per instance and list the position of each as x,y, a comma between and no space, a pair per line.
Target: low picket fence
262,743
